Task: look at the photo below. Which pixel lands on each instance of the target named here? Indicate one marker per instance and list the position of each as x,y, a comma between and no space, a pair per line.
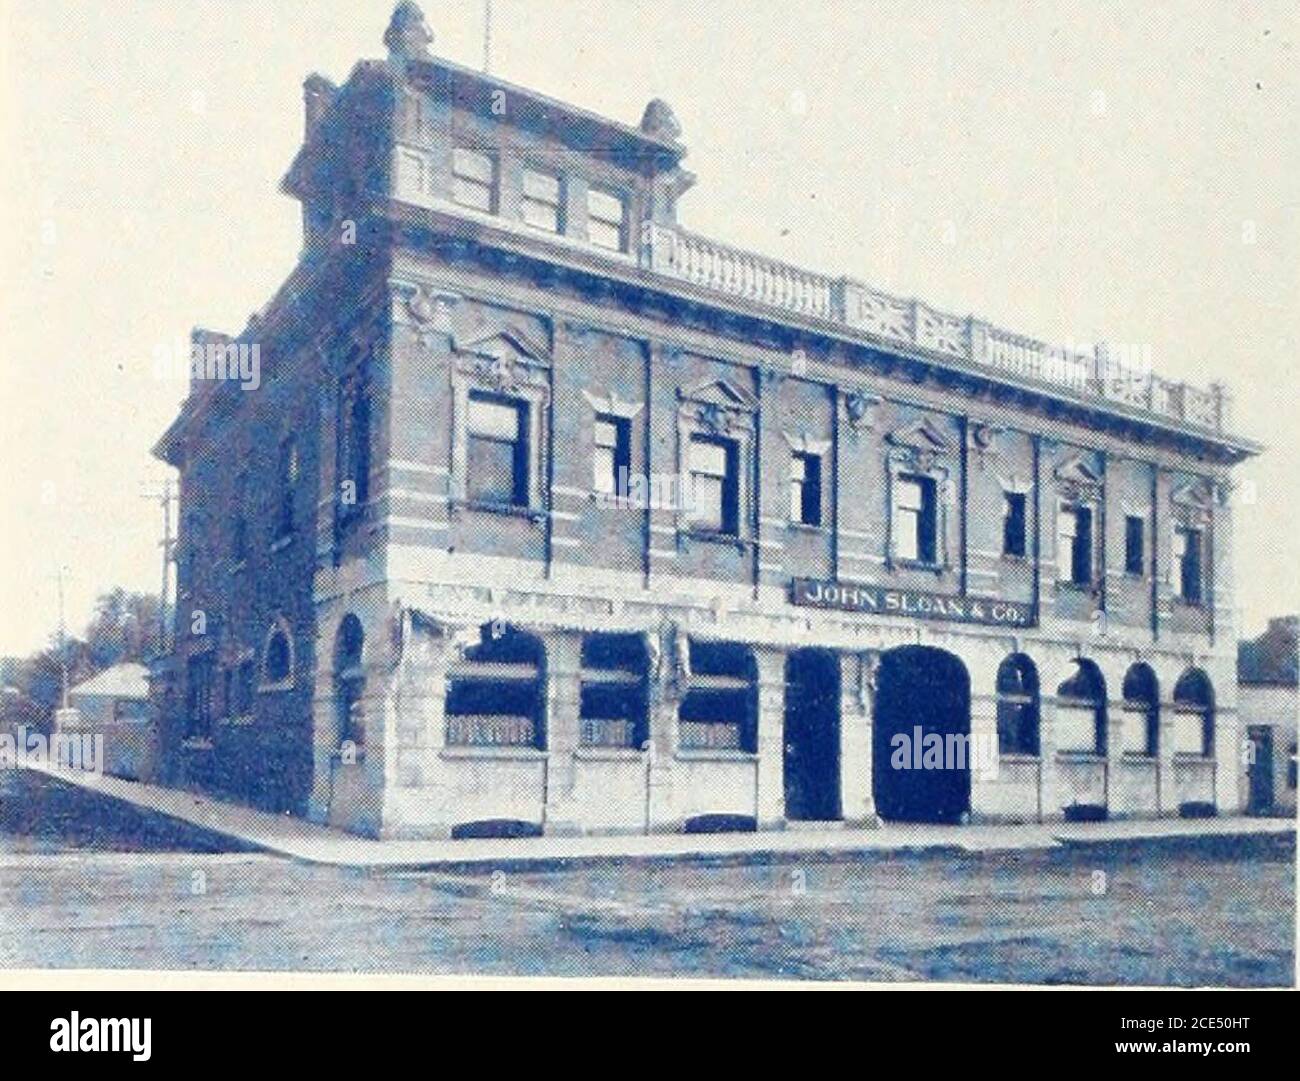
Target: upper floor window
1134,536
288,471
916,519
606,219
1187,564
1014,531
474,179
1074,545
541,202
714,473
611,460
277,657
497,452
805,488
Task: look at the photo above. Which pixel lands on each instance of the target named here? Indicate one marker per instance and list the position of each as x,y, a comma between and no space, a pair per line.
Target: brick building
549,514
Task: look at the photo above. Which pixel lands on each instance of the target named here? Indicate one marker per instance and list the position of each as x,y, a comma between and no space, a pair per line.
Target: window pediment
1078,471
504,361
718,405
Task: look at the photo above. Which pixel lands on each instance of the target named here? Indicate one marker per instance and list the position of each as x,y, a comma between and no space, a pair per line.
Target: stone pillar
857,690
666,687
769,799
984,797
1116,797
563,704
1049,795
1167,806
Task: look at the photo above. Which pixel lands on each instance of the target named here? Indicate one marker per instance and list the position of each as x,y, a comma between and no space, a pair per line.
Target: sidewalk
313,843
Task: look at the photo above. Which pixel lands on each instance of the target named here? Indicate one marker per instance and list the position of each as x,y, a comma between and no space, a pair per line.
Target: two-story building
548,514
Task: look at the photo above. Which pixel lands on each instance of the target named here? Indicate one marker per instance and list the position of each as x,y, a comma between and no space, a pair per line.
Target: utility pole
164,495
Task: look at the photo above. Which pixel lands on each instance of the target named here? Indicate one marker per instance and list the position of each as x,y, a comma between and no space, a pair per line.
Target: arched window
496,692
1141,721
615,691
1018,706
1194,714
277,657
1081,711
349,681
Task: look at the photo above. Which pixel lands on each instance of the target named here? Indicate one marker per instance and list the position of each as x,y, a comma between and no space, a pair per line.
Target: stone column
666,688
563,704
984,801
1049,795
1167,806
406,728
857,690
770,795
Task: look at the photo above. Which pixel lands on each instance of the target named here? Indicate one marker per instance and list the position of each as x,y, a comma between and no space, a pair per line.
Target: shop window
1140,725
1081,711
614,709
496,692
1194,714
720,708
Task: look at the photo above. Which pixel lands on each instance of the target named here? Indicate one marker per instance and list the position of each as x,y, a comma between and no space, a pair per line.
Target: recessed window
1014,530
1074,545
806,488
606,219
1187,565
277,665
915,519
714,484
474,180
541,202
1134,553
354,447
497,453
288,482
611,459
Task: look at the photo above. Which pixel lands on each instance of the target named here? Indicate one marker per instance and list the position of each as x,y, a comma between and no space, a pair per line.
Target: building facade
550,515
1268,676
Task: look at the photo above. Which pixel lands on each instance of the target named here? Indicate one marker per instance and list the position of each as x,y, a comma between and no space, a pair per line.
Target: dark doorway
1261,770
812,736
921,693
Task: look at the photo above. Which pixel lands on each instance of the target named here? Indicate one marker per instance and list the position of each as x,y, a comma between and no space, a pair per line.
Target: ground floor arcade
434,724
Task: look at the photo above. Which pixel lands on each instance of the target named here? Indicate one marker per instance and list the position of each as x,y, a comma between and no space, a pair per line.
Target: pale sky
1074,172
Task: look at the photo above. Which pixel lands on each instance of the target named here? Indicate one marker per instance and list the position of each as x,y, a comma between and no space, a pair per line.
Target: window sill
809,528
275,688
196,743
1019,758
504,751
1080,756
509,510
706,754
609,754
714,536
919,565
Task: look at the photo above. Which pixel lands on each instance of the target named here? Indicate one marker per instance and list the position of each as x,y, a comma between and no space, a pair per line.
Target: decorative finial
408,36
660,122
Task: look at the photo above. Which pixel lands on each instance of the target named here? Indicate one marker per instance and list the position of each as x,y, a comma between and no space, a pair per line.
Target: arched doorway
921,736
812,736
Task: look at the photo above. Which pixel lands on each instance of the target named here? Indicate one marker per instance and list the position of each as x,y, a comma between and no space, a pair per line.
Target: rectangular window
474,180
288,482
714,484
1187,564
1074,545
806,489
1134,555
541,202
606,219
497,451
1013,524
915,520
611,459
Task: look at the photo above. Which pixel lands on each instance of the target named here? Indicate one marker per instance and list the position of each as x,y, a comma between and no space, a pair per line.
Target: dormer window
540,206
606,219
474,180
